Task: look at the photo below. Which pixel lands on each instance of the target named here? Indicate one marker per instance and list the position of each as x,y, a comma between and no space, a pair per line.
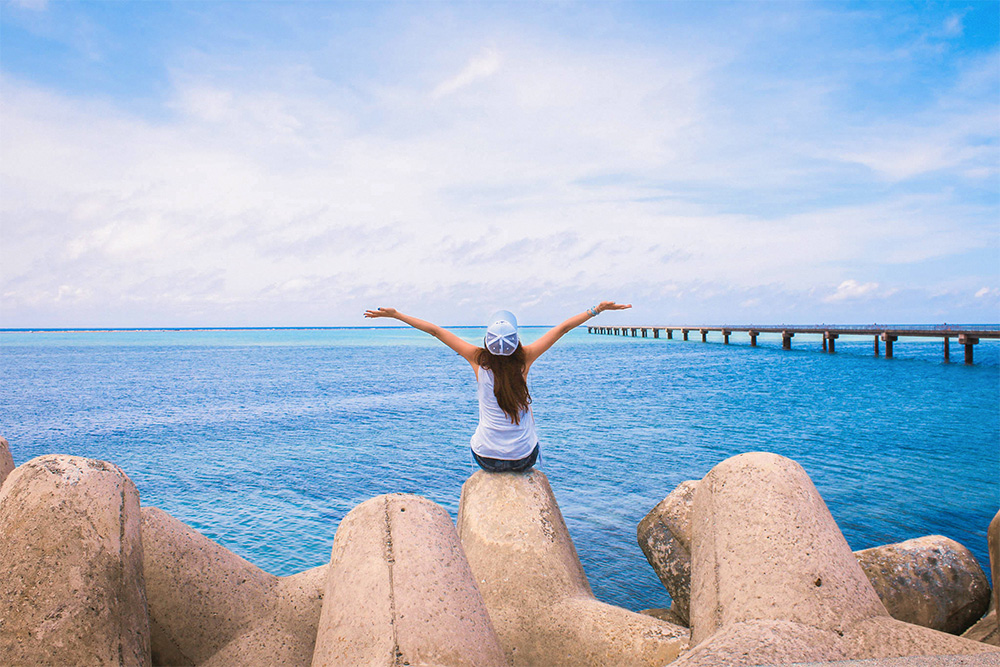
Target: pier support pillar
685,332
725,336
968,342
656,332
753,338
829,339
876,346
670,334
786,339
643,332
947,348
633,332
704,335
889,339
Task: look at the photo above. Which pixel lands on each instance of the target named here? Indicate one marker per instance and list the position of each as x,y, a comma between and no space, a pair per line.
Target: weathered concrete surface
72,590
765,547
209,606
931,581
987,630
665,538
6,460
981,660
400,592
541,604
773,580
667,615
993,544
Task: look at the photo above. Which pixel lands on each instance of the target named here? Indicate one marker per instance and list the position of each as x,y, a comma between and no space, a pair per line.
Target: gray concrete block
765,547
774,582
6,460
399,591
931,581
72,590
209,606
540,601
664,536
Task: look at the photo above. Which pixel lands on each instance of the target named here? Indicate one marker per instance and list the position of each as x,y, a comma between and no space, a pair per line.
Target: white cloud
986,291
482,66
851,289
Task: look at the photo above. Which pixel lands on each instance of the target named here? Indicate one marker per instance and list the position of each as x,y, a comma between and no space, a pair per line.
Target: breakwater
94,576
967,337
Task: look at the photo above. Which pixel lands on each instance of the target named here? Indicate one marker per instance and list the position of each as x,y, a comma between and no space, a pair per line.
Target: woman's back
497,436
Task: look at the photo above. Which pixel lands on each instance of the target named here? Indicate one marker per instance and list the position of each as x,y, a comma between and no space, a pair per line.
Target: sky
294,163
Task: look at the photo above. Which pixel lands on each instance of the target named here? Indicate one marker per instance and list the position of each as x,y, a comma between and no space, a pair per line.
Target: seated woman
505,439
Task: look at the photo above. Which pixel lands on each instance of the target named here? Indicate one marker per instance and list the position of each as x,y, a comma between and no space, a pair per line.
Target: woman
505,439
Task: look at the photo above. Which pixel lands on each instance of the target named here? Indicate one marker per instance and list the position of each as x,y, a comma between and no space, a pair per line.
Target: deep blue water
264,440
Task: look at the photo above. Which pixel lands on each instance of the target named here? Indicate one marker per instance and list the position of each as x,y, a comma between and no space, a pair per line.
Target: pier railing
966,335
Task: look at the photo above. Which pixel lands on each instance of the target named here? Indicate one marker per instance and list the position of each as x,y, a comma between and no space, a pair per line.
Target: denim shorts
502,465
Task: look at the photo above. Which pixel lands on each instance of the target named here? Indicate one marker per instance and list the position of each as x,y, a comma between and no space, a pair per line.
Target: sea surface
264,440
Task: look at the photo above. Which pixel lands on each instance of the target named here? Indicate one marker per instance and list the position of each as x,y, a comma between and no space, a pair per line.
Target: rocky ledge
756,566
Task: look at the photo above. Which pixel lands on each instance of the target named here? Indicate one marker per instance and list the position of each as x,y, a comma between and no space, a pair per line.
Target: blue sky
292,163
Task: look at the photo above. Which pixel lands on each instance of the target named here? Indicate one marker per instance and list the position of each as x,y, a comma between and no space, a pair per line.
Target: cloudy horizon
293,163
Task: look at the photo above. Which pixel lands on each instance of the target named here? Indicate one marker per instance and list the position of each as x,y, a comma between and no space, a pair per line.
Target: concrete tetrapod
208,606
773,579
399,592
6,460
987,630
72,588
930,581
534,586
664,536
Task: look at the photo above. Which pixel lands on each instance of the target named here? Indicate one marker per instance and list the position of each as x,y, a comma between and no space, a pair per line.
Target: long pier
967,337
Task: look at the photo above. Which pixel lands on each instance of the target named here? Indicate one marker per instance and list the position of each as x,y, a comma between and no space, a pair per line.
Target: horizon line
402,326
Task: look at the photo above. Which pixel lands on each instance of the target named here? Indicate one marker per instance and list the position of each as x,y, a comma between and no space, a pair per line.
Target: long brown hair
509,385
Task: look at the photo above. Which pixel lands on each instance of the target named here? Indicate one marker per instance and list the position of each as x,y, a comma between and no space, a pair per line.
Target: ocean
264,440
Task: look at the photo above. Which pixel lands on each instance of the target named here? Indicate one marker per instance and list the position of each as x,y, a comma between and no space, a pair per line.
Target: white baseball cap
501,333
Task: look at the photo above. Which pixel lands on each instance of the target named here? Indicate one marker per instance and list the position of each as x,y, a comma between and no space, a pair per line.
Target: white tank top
497,437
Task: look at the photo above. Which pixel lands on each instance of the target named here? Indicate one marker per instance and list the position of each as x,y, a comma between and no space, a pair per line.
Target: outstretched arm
465,349
539,347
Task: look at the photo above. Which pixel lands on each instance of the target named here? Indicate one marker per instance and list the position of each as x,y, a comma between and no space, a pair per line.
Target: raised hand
611,305
381,312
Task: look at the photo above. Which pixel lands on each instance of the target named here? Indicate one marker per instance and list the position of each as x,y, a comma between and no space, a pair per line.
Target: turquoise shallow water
264,440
